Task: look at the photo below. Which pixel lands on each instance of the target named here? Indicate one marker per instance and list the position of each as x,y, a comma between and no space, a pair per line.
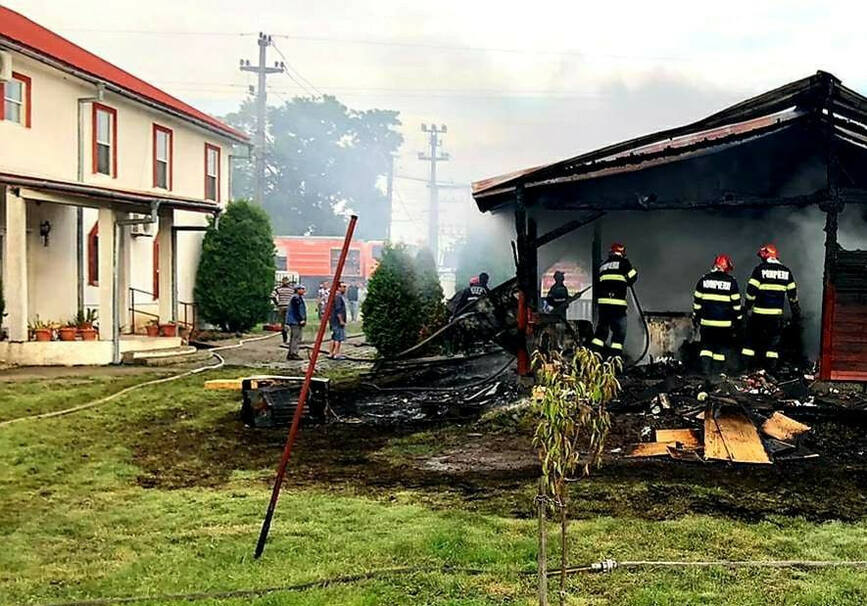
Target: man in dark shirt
296,318
338,323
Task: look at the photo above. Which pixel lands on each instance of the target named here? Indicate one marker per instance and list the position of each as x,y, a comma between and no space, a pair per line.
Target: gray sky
517,85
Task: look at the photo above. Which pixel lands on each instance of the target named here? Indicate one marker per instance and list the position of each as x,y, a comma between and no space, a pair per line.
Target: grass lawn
131,498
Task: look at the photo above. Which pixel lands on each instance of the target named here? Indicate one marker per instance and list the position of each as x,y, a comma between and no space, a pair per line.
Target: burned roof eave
627,164
815,96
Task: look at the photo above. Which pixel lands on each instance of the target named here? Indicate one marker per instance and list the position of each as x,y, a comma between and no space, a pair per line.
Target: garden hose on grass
126,390
603,566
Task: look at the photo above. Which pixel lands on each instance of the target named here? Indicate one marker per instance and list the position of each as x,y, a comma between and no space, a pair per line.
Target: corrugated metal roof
19,29
769,112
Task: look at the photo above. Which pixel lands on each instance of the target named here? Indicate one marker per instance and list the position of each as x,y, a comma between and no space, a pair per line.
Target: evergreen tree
236,269
391,312
430,294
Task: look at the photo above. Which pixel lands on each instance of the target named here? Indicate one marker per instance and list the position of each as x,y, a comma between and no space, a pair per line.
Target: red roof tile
20,29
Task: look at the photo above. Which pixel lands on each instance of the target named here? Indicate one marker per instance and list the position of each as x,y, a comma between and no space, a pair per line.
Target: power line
291,69
395,43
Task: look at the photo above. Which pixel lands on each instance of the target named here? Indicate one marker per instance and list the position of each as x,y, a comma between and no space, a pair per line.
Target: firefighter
616,274
770,284
558,296
477,289
717,311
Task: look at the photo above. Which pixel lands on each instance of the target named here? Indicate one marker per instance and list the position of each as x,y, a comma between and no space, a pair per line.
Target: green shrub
430,294
391,312
236,269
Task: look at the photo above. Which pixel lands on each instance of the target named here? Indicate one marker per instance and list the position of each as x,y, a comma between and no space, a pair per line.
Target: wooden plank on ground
741,438
714,445
783,428
224,384
649,449
688,437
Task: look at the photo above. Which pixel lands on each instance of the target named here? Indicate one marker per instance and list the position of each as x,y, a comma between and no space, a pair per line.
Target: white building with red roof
106,184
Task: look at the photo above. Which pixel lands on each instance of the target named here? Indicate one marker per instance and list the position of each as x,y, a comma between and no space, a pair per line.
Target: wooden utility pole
262,71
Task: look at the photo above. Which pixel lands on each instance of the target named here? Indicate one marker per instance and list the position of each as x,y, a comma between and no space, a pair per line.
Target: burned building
786,166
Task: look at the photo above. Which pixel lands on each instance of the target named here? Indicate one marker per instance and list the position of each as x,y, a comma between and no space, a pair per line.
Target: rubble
749,418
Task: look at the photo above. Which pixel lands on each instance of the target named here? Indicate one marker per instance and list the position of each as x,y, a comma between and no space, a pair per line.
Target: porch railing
187,316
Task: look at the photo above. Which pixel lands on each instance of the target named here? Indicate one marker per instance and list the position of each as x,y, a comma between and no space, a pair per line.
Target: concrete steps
166,357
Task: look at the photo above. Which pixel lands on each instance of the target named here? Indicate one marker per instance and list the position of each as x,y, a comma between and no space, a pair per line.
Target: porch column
106,221
124,276
167,262
15,255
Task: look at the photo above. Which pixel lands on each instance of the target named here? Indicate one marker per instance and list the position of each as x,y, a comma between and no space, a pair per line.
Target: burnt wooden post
832,207
595,262
829,293
522,274
533,285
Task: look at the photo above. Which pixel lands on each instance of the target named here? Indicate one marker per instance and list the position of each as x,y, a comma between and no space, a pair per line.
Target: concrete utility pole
389,194
433,157
262,71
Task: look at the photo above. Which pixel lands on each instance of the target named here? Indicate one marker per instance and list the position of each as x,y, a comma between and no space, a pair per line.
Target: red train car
314,258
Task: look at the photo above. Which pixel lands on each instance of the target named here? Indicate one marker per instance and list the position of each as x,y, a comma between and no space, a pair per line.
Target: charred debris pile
665,412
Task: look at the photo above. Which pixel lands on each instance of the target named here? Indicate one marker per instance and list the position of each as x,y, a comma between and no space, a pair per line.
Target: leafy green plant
236,269
85,318
430,294
38,324
391,311
570,402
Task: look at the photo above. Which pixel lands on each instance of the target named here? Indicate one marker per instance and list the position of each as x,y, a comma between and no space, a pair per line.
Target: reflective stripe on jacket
717,300
770,284
616,275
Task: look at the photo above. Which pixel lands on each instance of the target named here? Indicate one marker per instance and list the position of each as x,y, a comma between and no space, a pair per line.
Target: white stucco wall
50,149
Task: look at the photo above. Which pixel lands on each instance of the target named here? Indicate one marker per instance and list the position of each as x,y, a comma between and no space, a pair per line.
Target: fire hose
646,327
602,567
114,396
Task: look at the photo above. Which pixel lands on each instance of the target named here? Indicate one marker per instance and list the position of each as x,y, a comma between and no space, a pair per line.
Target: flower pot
168,330
153,330
87,334
67,333
42,334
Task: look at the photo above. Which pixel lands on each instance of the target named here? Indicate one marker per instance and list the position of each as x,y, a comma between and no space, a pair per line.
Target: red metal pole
305,389
523,354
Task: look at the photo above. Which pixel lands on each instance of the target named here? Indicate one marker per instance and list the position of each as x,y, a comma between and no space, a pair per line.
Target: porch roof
137,201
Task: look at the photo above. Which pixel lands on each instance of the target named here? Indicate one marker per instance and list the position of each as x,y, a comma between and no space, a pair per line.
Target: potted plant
41,330
84,321
153,328
169,329
68,331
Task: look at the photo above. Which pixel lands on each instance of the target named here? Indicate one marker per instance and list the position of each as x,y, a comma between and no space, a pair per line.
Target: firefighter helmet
768,251
618,249
724,262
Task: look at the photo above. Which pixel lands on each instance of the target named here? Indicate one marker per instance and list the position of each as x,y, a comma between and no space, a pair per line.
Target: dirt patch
495,470
491,455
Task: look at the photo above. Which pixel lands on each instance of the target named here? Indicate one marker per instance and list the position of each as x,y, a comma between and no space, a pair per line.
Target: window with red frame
15,95
163,144
104,140
93,255
212,172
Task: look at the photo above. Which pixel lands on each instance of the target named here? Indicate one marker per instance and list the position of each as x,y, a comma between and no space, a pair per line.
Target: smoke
672,249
